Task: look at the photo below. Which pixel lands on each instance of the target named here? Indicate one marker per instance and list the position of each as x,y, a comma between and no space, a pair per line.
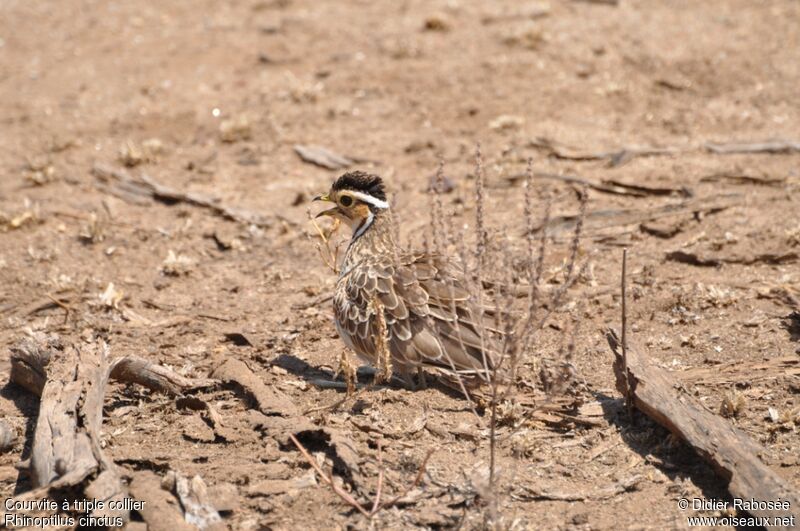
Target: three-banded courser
429,318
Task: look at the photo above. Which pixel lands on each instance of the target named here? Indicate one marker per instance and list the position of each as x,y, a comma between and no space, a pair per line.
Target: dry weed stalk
491,265
330,256
384,373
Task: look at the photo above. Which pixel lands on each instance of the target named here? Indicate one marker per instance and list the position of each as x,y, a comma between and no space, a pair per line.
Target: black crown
360,181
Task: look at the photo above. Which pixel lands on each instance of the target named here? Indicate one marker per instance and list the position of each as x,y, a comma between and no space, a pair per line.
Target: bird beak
330,212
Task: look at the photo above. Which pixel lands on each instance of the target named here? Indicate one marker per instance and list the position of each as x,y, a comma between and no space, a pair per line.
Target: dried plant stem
437,210
328,478
384,373
377,503
623,282
480,225
330,257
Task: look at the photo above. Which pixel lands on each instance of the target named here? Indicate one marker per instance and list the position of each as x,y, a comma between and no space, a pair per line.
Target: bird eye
346,200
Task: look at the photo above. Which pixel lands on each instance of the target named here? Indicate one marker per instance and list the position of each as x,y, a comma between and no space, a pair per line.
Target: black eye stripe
346,200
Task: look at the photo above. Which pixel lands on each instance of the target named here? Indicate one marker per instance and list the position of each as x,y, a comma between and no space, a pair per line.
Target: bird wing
430,317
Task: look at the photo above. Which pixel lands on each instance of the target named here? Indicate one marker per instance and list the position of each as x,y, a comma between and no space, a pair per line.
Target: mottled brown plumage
431,320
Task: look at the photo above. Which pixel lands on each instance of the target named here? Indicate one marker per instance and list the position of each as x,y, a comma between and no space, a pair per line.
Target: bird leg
348,371
422,383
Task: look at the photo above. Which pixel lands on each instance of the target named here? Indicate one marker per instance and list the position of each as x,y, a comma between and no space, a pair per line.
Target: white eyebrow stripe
374,201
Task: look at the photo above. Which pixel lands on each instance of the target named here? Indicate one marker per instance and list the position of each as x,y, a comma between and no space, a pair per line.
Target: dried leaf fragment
177,264
235,129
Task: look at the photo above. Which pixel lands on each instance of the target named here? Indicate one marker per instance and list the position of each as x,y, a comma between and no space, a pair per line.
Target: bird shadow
365,376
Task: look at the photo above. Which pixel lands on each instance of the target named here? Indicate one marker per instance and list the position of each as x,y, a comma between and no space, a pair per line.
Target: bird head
358,197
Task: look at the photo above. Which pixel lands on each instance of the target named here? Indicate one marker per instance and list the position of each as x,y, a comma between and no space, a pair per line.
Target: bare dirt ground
211,97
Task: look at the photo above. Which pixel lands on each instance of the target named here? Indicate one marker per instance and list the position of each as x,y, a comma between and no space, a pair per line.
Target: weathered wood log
732,453
66,451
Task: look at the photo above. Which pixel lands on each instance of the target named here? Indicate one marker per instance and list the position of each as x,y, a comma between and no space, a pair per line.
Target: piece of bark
120,183
66,444
778,146
268,401
664,229
707,260
71,381
161,510
133,369
744,178
731,452
322,157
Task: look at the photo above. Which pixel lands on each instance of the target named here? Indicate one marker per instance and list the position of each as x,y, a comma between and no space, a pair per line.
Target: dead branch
123,185
133,369
732,453
778,146
600,2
